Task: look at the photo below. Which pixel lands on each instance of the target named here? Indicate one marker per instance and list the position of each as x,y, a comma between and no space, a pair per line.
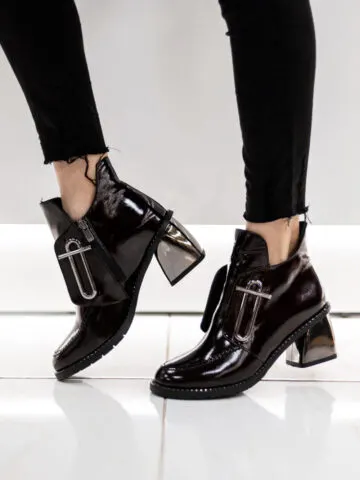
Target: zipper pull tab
86,229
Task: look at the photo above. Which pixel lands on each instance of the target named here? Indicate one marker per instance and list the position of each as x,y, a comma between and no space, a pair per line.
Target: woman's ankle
281,237
77,183
295,234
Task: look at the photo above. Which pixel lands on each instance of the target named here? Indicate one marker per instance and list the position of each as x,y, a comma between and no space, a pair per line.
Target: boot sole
237,388
112,342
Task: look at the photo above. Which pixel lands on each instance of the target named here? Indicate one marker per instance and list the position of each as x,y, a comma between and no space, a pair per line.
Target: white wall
162,76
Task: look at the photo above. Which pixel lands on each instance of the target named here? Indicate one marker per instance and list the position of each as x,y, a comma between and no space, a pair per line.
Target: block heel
178,252
316,346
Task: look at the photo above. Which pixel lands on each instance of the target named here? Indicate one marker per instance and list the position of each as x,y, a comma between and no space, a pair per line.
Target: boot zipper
107,258
86,229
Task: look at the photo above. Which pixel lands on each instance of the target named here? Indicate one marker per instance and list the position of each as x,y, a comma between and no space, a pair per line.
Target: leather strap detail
91,274
214,297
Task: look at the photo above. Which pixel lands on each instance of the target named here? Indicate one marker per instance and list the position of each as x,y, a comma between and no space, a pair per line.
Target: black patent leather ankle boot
254,313
104,257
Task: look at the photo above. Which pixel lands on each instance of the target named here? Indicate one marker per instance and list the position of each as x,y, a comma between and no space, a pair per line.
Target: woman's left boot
254,313
104,257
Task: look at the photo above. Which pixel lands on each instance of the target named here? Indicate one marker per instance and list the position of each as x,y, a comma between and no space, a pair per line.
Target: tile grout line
163,419
160,475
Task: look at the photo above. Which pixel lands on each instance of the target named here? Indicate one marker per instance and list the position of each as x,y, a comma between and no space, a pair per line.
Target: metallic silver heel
316,346
178,252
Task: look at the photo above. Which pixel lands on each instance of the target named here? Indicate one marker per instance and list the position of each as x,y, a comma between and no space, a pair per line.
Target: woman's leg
265,299
273,49
106,247
43,43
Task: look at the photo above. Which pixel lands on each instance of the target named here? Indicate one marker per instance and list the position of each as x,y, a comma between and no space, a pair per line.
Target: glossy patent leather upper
242,329
112,239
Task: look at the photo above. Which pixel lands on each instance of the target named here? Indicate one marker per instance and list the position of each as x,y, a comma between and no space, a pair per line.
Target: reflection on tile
78,430
185,333
27,344
277,431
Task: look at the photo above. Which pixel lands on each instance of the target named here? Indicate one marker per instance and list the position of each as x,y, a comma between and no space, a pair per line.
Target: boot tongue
253,245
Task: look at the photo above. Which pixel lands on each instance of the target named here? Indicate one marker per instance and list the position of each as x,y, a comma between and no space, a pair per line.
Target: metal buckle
79,251
253,287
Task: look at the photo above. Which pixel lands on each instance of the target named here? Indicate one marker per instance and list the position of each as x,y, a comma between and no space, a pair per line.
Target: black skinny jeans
273,49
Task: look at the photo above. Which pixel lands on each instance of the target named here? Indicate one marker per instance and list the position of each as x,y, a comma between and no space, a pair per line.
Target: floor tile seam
160,475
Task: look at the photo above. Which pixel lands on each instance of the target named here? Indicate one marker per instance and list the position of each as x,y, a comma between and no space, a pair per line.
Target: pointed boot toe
165,375
105,328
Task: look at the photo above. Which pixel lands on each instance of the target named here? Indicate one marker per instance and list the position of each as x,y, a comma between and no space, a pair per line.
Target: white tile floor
300,424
